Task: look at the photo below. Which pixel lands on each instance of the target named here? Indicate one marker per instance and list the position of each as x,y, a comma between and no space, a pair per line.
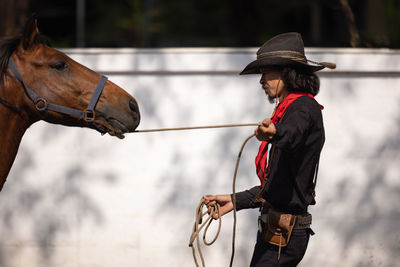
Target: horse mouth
117,123
113,127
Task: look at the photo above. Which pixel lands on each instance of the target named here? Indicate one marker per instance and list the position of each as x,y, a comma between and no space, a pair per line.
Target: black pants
266,255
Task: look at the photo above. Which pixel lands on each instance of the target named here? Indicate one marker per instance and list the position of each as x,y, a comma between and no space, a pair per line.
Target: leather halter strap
42,105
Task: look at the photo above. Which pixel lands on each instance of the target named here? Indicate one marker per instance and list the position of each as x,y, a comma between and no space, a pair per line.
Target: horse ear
30,32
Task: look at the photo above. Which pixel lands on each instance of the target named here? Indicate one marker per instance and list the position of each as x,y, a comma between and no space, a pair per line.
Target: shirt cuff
245,199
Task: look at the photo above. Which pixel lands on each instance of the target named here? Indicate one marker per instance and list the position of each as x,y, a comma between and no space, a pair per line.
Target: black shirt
298,143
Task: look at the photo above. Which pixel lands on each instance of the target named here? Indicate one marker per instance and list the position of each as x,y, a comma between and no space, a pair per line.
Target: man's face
271,83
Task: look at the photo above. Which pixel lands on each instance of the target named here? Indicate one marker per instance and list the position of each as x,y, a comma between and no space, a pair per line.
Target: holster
277,227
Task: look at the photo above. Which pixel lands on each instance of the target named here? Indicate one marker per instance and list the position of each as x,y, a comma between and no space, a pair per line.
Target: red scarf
261,158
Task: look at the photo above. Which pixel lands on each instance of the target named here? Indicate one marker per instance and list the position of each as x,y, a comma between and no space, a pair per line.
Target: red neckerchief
261,158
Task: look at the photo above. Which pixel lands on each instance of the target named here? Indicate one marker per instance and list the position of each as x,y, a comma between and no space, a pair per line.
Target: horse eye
60,65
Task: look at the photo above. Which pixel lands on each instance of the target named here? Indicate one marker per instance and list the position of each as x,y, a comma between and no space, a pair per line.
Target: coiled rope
199,223
215,210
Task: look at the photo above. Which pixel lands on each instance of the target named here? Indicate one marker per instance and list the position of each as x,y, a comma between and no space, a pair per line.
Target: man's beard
271,99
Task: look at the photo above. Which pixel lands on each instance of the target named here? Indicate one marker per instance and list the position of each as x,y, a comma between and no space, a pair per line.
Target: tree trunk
351,24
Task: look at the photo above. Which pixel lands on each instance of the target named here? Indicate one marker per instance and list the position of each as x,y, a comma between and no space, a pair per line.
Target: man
295,133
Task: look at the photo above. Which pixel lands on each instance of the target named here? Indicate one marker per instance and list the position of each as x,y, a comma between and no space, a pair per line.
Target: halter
42,105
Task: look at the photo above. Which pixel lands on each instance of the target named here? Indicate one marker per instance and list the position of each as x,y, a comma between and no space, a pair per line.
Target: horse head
38,82
58,81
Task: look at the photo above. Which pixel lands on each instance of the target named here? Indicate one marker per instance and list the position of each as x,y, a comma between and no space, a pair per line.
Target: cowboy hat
284,50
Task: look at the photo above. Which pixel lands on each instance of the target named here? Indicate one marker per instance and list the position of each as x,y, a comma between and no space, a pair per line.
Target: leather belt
302,221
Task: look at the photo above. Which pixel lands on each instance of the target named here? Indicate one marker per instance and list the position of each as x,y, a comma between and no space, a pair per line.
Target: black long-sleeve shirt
298,142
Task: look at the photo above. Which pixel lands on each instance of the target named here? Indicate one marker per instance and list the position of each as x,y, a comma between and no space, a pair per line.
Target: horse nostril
133,106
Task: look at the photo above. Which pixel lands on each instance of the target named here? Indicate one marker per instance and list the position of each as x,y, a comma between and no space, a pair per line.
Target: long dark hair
300,81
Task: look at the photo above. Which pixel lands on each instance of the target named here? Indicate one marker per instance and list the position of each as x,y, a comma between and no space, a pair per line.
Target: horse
39,82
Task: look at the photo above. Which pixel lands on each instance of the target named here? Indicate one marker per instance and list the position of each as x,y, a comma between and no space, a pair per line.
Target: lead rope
196,127
215,210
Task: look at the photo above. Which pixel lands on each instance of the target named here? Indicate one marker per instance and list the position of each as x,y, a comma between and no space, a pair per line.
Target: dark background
206,23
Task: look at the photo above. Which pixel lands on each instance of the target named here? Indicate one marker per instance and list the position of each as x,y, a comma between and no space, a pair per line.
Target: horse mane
9,45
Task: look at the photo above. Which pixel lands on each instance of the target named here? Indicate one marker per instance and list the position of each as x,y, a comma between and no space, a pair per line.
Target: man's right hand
225,201
266,131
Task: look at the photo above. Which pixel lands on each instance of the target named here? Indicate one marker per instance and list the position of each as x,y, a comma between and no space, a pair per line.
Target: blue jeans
266,255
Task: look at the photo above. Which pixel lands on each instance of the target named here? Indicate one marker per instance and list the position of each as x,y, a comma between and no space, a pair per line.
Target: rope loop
199,224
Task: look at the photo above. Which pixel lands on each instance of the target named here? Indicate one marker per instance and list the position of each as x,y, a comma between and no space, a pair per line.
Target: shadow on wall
35,212
379,202
370,220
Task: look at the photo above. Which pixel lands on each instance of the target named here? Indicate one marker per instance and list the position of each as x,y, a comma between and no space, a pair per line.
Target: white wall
75,198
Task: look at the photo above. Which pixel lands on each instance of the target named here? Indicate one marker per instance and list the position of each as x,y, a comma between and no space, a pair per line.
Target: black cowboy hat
284,50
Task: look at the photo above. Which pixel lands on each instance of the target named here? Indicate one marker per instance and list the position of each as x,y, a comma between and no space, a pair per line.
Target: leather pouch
278,228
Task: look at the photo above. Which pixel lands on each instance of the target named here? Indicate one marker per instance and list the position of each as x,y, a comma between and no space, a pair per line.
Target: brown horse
38,82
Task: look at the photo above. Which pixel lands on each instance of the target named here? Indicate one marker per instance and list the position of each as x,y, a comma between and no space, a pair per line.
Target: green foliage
235,23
